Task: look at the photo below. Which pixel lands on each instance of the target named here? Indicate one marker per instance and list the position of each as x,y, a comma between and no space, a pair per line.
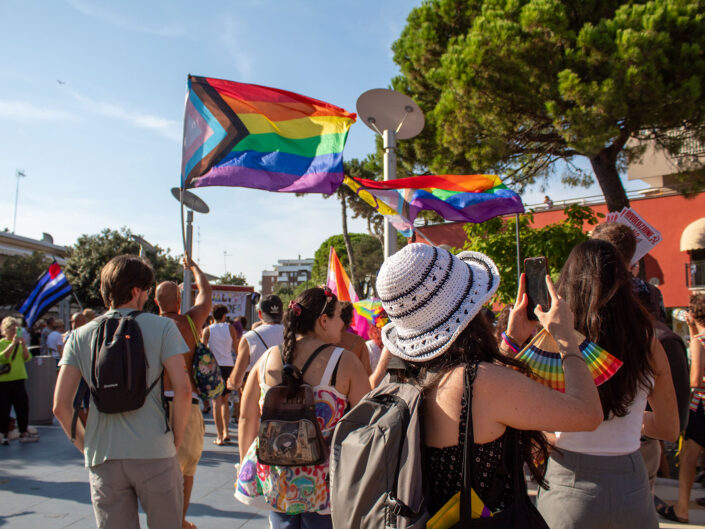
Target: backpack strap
331,371
311,358
261,339
193,329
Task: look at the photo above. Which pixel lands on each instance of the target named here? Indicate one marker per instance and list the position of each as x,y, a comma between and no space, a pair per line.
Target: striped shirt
699,392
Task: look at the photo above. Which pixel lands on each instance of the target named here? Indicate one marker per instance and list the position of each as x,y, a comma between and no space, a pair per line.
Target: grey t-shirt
137,434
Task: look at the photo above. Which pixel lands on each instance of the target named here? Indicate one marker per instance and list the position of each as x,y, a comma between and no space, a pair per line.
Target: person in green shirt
13,352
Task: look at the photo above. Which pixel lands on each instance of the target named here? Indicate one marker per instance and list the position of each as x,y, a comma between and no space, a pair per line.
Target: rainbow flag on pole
246,135
464,198
386,202
338,280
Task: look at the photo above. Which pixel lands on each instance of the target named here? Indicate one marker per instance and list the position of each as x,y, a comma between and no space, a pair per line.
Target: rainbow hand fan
543,358
372,310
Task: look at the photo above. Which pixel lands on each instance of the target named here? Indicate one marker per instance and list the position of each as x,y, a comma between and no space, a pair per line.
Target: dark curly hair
696,307
314,302
477,343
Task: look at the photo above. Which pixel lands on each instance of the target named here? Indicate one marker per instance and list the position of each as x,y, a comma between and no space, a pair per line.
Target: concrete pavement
44,485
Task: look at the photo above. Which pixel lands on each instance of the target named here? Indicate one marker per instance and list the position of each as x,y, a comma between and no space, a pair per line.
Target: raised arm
662,422
202,307
527,405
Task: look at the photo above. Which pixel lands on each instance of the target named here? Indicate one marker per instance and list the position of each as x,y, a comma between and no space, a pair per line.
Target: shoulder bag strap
468,454
193,329
261,339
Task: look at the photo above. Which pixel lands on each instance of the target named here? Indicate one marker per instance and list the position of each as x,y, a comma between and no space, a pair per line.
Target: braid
289,342
302,314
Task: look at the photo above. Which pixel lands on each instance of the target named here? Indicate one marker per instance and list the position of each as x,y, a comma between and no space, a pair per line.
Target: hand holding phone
536,270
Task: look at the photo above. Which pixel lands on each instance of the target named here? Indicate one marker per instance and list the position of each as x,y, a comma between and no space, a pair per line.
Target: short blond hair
7,322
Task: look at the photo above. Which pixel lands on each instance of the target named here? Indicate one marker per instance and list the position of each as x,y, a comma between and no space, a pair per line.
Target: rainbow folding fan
544,359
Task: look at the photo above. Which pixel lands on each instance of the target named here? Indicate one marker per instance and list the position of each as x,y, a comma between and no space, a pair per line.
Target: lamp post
394,116
18,174
193,203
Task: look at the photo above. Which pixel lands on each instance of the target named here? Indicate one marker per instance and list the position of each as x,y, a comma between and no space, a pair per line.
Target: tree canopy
514,86
497,239
369,256
232,279
19,274
91,252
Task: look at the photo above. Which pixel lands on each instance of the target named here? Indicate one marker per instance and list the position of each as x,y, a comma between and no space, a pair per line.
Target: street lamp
18,174
393,116
193,203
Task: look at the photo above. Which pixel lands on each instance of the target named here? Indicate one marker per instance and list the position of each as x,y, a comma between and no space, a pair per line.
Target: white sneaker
28,438
4,440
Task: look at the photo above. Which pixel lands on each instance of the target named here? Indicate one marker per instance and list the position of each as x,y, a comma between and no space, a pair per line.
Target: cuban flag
51,288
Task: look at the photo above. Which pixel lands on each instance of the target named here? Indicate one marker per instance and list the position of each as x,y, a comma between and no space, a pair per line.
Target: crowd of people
594,451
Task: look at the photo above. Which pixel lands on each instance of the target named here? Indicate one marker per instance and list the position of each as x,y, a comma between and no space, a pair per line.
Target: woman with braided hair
299,496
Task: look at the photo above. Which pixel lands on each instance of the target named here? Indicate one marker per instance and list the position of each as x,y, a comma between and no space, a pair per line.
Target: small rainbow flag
246,135
372,310
544,359
464,198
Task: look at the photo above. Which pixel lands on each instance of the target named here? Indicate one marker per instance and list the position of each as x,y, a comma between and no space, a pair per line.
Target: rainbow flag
246,135
338,280
372,310
464,198
386,202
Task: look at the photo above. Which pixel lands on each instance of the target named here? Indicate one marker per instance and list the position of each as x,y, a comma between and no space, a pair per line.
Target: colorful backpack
206,372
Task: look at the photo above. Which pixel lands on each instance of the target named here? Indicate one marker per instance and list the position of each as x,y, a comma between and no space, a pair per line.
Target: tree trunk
605,167
346,238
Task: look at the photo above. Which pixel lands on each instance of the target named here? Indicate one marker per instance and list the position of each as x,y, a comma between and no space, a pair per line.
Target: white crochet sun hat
430,296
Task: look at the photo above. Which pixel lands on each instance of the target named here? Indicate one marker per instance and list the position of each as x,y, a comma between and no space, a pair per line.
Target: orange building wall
670,215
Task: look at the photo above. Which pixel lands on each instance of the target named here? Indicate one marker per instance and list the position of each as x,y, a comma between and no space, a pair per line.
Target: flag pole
76,298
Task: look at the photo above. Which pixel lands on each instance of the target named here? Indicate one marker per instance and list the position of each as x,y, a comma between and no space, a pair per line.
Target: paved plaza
45,486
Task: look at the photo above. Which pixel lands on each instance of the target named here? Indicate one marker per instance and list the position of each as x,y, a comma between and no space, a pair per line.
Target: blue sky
103,147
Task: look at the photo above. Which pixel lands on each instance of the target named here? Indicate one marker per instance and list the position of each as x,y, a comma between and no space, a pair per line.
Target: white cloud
25,111
167,128
119,20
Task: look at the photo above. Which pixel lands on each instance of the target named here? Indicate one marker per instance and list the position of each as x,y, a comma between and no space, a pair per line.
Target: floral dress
293,490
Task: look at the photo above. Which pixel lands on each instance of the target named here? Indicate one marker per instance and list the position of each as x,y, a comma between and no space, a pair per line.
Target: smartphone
536,290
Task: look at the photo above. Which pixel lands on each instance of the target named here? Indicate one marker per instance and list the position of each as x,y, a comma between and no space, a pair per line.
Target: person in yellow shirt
13,355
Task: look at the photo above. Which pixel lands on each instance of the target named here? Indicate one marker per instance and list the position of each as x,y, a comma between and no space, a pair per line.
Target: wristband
564,357
510,342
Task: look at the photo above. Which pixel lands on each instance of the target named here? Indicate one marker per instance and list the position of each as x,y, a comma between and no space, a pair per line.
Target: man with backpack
129,449
168,299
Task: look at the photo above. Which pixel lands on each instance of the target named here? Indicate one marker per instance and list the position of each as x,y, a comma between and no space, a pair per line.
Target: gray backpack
376,478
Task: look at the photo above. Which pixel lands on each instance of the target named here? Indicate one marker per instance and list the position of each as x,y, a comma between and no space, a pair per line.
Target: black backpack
118,377
289,433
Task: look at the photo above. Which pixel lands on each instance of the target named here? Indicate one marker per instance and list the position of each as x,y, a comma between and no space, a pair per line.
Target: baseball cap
271,308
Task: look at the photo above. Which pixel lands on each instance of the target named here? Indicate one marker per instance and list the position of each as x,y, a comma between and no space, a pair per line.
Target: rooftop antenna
18,174
394,116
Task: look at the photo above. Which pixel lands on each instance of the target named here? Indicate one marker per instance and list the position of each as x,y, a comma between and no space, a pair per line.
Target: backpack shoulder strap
311,358
134,313
263,368
261,339
327,378
193,329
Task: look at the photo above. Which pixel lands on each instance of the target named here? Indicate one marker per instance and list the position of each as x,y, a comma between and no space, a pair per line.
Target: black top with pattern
444,468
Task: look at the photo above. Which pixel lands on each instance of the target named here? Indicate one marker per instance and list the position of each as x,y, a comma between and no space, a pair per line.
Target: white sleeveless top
614,437
271,334
221,343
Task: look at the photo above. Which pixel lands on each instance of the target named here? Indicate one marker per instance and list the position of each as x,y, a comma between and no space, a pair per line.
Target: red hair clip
295,308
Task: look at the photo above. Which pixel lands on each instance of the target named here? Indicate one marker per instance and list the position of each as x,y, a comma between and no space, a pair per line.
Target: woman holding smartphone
598,479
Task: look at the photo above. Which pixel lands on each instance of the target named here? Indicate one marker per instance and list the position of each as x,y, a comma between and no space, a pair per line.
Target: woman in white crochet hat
433,299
